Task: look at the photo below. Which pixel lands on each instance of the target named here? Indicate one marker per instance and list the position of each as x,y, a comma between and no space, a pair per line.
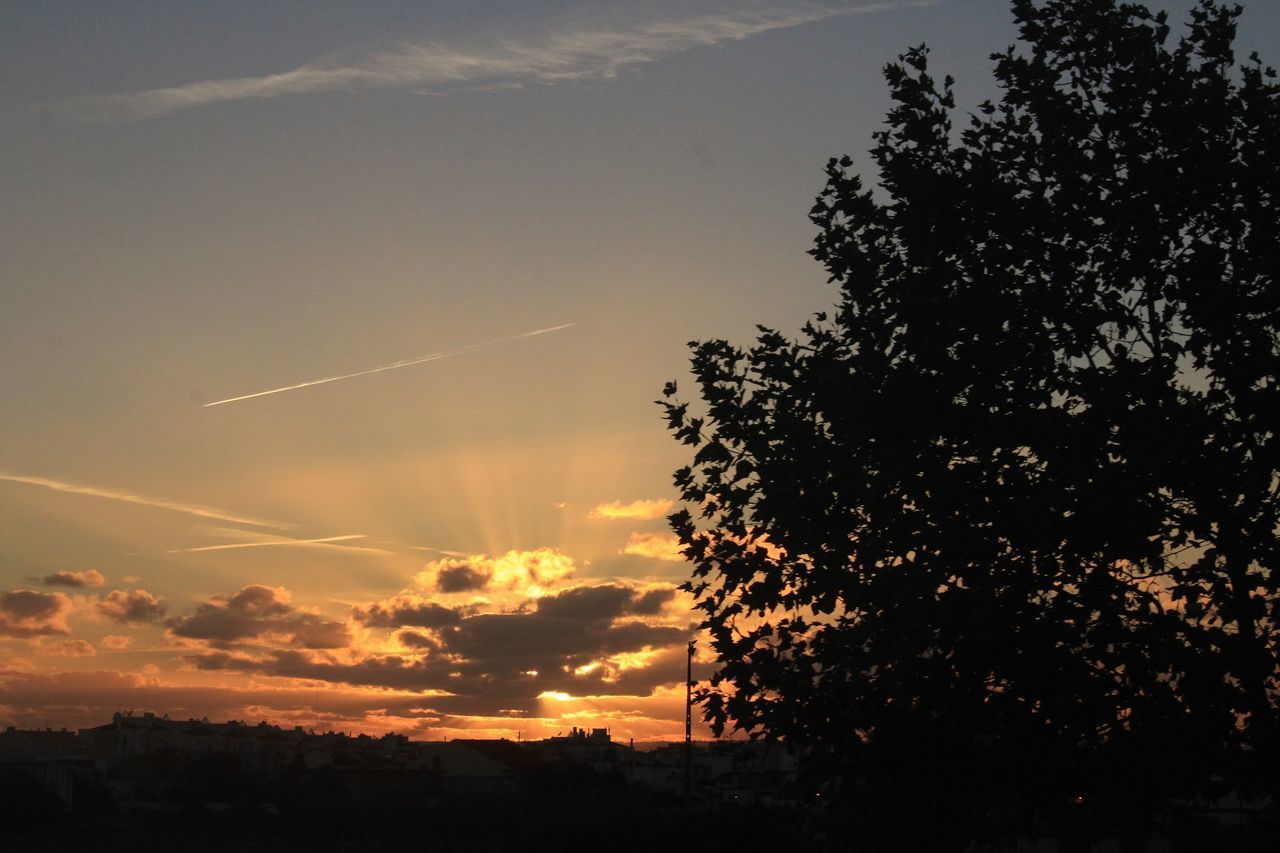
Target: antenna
688,724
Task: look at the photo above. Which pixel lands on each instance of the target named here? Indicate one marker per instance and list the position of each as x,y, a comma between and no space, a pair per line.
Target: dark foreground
585,821
562,809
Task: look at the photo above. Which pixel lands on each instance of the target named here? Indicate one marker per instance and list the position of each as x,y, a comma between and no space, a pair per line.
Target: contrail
135,498
436,356
512,62
325,542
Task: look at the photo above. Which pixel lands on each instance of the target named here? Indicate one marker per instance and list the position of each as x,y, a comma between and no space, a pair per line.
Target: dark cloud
575,642
605,601
29,605
255,613
461,578
391,671
92,577
313,632
418,640
407,611
258,600
89,698
26,613
587,602
133,607
607,644
650,603
505,644
598,640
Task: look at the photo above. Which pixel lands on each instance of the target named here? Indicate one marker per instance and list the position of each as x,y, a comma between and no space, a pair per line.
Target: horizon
585,731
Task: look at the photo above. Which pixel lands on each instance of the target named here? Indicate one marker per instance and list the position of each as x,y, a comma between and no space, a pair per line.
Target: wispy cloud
594,52
143,500
445,551
396,364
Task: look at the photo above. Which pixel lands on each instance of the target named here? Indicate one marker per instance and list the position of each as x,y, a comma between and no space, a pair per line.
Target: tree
999,533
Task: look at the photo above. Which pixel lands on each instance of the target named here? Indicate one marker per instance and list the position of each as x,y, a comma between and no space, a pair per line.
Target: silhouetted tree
999,535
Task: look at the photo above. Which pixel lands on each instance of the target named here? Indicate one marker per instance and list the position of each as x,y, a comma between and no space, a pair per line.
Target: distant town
141,760
145,781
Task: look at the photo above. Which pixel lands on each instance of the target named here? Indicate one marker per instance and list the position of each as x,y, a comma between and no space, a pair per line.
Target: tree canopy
1004,520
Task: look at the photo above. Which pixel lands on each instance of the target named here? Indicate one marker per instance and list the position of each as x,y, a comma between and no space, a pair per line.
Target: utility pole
688,725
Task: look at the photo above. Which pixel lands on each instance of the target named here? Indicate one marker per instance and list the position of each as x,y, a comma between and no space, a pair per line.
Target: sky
491,230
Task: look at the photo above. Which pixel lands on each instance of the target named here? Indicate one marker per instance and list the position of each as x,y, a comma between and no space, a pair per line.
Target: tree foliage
1006,518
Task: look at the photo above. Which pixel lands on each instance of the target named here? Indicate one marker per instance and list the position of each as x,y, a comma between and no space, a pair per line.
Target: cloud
258,612
88,698
604,648
418,641
68,648
386,671
636,510
460,578
604,601
528,572
657,546
609,638
92,577
406,610
651,602
571,54
25,613
134,607
143,500
492,661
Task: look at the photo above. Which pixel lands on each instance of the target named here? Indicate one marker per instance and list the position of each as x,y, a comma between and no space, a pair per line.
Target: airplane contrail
135,498
325,542
436,356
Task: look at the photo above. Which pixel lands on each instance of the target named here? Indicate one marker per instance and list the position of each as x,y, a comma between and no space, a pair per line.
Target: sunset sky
203,201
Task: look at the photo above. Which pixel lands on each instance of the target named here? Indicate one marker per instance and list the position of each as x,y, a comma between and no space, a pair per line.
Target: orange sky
207,202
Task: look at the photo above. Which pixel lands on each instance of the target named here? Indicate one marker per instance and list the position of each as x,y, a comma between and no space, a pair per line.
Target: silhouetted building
595,749
54,759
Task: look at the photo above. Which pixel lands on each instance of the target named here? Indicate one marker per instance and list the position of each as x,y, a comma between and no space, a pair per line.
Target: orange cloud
407,610
92,577
131,608
68,648
636,510
657,546
255,613
607,638
527,572
116,642
26,613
